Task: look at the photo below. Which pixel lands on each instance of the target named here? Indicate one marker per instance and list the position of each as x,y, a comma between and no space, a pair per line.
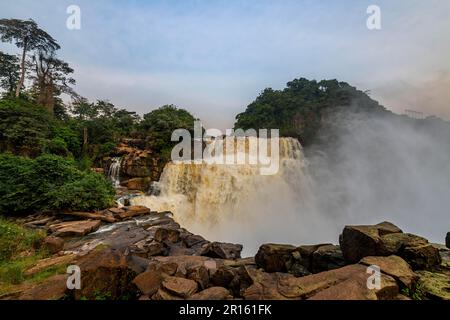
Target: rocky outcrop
299,261
149,256
74,228
53,244
384,239
139,166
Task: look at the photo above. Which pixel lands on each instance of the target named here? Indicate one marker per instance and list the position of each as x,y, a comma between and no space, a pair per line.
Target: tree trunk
22,66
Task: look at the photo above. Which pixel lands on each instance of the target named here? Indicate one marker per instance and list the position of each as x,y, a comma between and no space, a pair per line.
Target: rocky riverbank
133,253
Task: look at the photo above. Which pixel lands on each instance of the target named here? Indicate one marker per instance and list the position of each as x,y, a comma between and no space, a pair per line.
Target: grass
20,250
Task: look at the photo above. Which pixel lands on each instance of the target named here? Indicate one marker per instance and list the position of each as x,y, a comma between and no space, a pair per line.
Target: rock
423,257
447,240
74,228
193,240
264,286
155,248
44,264
166,234
142,184
387,228
394,243
164,295
222,250
180,287
53,244
200,275
326,258
306,252
53,288
275,257
434,285
103,215
149,282
395,267
213,293
358,242
133,211
106,273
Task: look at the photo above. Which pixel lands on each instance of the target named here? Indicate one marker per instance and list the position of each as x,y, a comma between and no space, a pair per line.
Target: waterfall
236,203
114,171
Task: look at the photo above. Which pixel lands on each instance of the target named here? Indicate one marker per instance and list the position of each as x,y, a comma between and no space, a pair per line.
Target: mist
384,167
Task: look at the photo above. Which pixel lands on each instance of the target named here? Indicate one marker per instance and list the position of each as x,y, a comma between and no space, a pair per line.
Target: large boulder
132,211
149,282
327,257
222,250
423,257
275,257
105,273
74,228
358,242
394,266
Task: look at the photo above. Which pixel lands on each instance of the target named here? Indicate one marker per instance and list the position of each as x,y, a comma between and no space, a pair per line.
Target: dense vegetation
299,109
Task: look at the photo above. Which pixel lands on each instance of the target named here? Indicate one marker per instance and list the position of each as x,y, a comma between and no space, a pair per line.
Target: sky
214,57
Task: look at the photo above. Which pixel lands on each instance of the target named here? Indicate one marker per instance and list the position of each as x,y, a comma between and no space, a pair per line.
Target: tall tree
51,77
26,34
9,72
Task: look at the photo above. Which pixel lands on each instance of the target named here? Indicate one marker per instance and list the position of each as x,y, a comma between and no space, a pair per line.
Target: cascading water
235,203
114,171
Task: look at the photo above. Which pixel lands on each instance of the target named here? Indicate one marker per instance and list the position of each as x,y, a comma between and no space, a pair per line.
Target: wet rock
193,240
395,267
222,250
327,257
149,282
180,287
53,244
213,293
200,275
74,228
275,257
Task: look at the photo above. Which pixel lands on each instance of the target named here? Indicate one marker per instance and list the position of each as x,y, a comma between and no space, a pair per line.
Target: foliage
415,293
299,109
158,125
9,73
24,127
49,182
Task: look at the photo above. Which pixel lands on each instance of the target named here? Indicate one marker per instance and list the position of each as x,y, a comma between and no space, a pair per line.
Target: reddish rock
148,282
395,267
180,287
213,293
53,244
74,228
53,288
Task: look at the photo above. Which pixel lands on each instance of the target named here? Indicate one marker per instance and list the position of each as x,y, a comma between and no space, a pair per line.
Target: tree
27,36
51,77
159,124
9,72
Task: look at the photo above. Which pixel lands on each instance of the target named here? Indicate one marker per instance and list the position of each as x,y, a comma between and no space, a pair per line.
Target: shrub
49,183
